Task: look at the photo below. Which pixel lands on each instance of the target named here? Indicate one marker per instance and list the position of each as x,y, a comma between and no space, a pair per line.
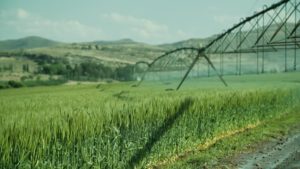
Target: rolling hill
27,43
116,42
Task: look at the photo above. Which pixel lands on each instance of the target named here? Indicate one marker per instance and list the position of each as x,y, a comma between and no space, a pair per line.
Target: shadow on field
158,134
123,95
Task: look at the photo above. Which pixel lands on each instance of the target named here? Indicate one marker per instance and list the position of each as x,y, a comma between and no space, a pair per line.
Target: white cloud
22,14
20,23
213,9
143,27
182,34
24,23
226,19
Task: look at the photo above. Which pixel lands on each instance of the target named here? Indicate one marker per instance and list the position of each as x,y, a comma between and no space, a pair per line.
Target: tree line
88,70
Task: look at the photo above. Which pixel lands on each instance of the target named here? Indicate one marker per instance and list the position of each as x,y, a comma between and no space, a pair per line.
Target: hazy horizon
152,22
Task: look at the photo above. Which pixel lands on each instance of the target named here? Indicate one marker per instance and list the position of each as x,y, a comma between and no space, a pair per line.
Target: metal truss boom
272,29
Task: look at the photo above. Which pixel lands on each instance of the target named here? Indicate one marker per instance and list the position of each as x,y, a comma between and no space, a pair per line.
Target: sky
151,21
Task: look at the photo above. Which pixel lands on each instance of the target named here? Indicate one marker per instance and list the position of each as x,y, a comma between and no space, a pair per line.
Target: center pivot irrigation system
273,29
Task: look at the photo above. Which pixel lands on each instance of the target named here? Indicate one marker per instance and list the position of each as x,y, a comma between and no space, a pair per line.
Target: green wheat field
119,126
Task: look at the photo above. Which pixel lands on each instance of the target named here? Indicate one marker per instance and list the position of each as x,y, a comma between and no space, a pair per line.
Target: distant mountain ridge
31,42
116,42
27,43
39,42
123,51
195,42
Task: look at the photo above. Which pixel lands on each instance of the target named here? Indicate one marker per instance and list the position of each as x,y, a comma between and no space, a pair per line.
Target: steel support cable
246,20
150,65
295,28
247,34
200,53
221,44
283,23
281,20
190,68
174,60
235,35
212,65
170,52
296,24
294,10
268,26
169,61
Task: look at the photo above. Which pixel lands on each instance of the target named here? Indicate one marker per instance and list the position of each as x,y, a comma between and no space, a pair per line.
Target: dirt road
279,153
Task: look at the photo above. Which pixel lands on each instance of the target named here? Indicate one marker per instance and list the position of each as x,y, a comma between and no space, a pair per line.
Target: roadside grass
223,153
